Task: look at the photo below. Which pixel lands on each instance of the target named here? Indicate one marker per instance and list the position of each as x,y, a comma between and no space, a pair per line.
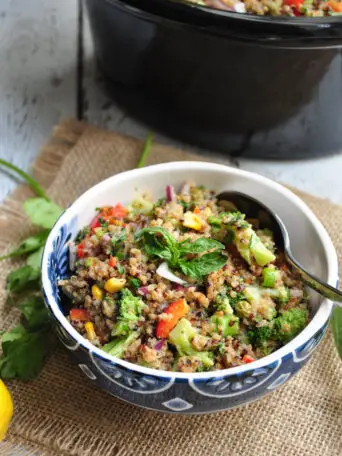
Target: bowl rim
319,320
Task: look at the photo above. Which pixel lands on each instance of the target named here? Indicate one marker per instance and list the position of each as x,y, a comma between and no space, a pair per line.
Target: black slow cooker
242,84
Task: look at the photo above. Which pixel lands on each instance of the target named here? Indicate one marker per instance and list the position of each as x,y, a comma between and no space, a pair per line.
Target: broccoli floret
243,309
251,247
290,323
227,325
118,347
140,205
130,308
261,335
121,328
181,337
222,303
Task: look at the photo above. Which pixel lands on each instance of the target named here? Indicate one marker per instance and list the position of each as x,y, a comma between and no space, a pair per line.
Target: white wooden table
40,83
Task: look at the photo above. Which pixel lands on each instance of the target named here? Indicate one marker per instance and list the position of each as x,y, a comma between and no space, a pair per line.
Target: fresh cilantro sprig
157,241
25,346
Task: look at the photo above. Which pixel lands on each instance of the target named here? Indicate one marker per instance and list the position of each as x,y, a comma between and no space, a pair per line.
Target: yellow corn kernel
97,292
192,221
114,285
89,327
208,212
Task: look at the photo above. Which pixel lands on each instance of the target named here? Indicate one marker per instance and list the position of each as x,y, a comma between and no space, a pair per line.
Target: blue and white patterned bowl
202,392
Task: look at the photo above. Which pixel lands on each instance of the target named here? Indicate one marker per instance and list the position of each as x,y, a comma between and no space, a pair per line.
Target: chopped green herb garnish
134,282
120,268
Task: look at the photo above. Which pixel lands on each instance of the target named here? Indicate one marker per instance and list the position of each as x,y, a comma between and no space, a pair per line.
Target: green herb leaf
159,242
134,282
41,212
21,278
336,324
34,312
116,239
201,245
30,244
120,268
23,353
145,151
35,259
203,265
32,182
82,234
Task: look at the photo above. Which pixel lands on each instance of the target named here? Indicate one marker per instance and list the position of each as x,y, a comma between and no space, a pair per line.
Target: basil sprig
184,256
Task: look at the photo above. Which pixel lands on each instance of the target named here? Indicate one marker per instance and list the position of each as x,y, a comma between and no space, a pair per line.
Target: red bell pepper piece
247,359
80,250
335,6
112,261
95,223
177,310
294,4
119,211
79,314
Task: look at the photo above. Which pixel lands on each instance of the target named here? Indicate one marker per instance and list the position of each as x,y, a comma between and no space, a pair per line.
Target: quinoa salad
310,8
186,283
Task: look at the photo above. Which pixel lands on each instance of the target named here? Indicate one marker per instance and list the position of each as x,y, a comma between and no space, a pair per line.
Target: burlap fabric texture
61,413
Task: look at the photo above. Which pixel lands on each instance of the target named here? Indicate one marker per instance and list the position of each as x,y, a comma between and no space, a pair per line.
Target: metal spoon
268,219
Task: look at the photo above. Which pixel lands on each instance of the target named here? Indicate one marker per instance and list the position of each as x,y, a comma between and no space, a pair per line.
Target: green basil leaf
201,245
170,241
42,212
159,242
30,244
204,265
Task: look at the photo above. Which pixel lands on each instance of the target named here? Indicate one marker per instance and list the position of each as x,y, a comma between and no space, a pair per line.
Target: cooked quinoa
310,8
186,283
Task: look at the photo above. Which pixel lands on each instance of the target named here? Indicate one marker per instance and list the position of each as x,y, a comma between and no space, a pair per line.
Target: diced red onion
164,271
143,291
72,255
296,293
239,7
164,305
185,190
106,238
159,344
170,193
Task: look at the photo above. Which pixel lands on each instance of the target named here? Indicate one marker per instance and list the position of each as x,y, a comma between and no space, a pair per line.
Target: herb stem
145,151
32,182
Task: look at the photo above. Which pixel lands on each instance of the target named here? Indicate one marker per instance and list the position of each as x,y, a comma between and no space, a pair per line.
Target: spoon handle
333,294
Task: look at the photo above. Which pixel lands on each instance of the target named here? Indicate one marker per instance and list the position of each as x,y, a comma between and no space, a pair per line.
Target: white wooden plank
38,41
319,177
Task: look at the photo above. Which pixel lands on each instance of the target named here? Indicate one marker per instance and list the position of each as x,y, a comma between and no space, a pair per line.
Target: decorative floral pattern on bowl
236,384
130,380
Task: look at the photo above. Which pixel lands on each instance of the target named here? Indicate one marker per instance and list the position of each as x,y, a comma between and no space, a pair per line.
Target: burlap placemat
61,413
